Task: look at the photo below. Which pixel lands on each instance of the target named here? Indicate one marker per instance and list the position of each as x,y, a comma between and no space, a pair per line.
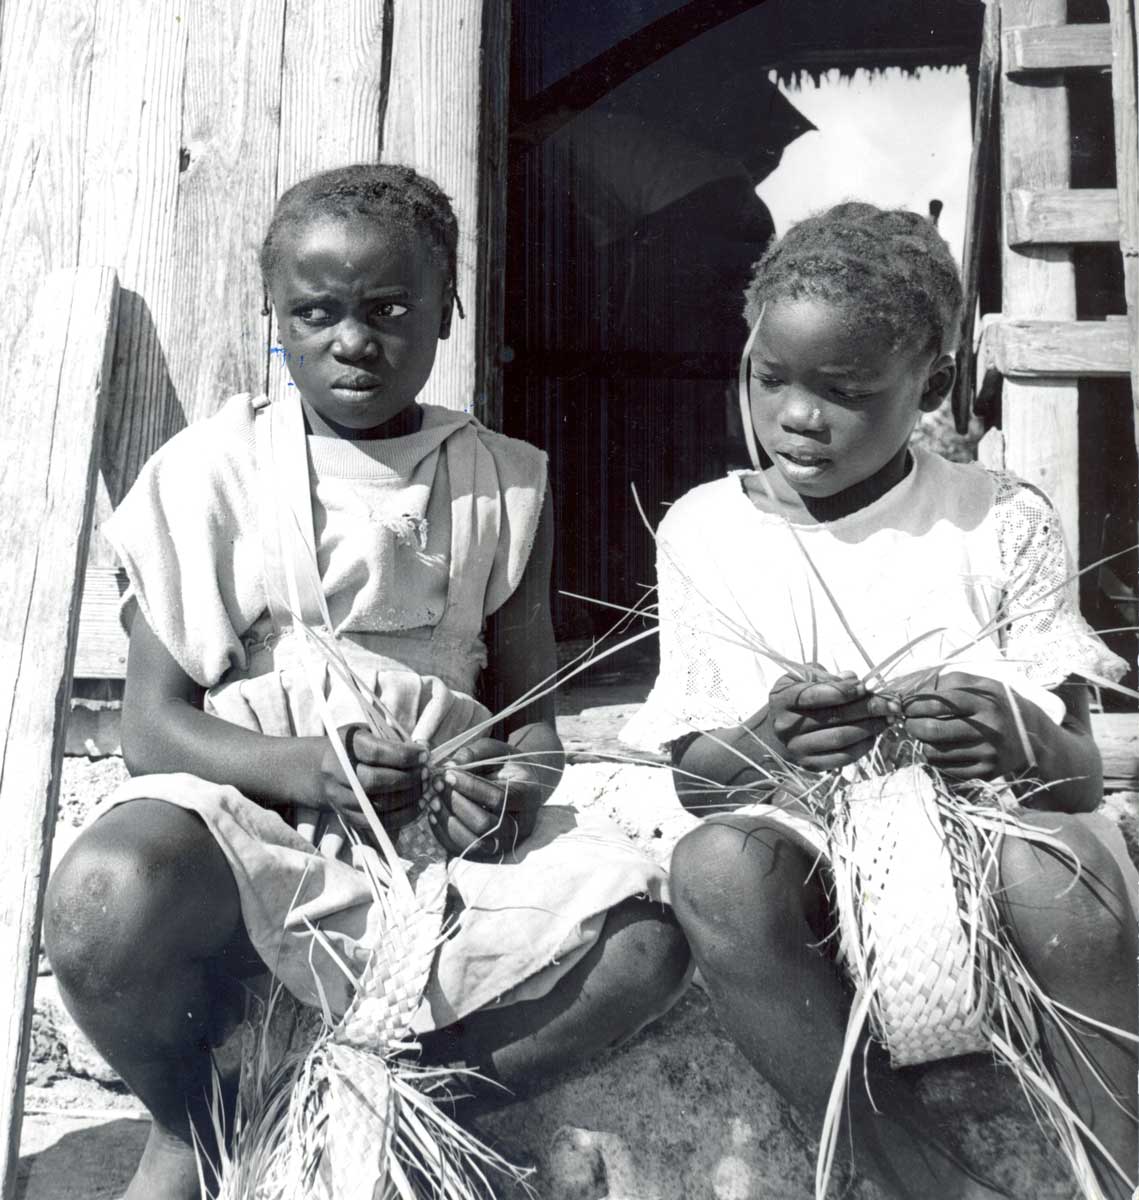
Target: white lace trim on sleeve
1045,632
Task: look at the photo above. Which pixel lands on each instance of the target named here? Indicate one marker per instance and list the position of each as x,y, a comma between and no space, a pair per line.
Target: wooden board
225,170
45,77
130,190
1117,735
446,116
332,99
1125,101
1059,48
102,648
1057,349
50,417
1058,218
180,175
1039,419
977,213
333,78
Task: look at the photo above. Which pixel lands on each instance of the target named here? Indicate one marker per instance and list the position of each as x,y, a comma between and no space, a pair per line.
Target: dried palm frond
347,1113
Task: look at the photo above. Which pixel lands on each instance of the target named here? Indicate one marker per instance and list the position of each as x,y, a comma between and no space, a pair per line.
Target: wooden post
51,416
446,116
1125,100
977,207
1039,419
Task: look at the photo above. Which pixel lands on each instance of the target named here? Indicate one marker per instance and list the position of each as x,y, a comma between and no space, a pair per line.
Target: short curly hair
890,269
385,192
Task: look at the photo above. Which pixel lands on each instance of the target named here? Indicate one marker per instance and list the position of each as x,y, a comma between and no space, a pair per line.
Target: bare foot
168,1170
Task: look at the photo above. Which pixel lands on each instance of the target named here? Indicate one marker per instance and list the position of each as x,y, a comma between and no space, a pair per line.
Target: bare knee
1067,921
740,885
653,950
140,887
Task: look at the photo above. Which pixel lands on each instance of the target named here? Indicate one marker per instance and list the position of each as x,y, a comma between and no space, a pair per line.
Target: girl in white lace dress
432,543
854,315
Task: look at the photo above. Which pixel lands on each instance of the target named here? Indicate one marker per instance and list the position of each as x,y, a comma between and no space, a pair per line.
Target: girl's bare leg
634,974
1079,941
142,916
754,912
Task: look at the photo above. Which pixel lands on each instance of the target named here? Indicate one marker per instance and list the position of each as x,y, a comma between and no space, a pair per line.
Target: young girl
854,315
432,540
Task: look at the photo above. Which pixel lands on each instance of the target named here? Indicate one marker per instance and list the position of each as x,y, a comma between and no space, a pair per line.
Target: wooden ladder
1035,350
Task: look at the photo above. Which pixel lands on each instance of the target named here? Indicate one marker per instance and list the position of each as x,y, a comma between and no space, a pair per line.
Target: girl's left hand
484,812
965,728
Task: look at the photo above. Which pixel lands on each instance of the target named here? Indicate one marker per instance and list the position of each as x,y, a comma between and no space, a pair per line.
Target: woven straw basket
902,922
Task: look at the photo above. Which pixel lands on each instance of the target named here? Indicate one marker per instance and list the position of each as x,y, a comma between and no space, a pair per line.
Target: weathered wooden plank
1125,102
333,79
991,450
101,652
982,166
1057,48
226,178
331,87
1117,735
50,416
45,75
446,116
181,168
1058,349
1061,218
1039,420
130,193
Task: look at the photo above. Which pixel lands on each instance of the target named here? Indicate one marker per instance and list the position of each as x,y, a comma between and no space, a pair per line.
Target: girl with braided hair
854,316
431,537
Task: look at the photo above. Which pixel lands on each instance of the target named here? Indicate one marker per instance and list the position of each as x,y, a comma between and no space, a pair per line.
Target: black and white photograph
569,600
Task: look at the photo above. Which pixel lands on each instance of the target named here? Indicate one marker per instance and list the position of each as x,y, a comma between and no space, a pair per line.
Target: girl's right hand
825,722
389,773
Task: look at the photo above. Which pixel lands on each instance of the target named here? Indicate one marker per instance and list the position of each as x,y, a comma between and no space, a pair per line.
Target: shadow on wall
143,408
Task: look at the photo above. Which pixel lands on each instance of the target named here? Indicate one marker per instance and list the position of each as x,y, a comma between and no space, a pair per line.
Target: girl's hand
484,811
826,722
388,771
966,728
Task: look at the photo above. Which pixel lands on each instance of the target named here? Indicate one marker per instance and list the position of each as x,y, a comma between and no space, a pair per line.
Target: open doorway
644,139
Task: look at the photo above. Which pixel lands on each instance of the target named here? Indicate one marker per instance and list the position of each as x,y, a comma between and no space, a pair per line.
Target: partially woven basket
907,903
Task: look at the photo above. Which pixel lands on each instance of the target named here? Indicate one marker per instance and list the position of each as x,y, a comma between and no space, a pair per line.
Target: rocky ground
675,1115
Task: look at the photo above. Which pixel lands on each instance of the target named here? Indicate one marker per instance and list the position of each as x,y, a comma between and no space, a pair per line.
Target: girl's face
360,309
833,404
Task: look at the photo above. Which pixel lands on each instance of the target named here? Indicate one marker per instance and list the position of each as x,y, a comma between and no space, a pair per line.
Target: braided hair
886,268
384,192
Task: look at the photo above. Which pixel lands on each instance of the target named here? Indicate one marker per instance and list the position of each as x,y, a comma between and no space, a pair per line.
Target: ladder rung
1055,349
1057,48
1063,217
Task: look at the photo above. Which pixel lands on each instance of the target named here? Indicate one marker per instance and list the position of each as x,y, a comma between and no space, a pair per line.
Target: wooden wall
154,138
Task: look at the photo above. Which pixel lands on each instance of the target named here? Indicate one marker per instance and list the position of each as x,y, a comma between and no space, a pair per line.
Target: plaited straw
901,913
